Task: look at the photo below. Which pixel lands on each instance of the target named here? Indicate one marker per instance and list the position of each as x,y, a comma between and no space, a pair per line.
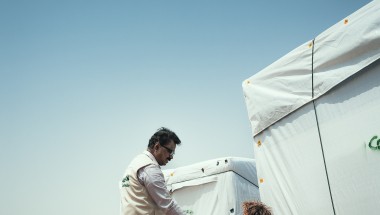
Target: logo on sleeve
125,181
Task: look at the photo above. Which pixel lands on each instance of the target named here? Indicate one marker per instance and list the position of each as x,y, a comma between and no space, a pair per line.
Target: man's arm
152,178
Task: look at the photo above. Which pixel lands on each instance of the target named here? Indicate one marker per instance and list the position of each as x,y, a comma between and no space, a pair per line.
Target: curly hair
163,136
256,208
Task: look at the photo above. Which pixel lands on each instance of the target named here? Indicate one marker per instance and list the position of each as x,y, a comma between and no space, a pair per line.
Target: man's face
163,153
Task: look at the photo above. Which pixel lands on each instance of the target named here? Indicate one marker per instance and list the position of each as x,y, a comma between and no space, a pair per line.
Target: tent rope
319,131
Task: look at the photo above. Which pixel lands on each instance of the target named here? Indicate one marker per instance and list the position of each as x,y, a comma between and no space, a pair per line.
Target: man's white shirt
152,178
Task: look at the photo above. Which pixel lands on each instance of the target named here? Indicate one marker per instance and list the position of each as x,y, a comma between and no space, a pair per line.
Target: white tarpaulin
339,52
214,187
314,116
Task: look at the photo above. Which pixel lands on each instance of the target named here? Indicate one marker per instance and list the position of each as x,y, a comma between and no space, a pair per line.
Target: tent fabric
290,166
314,68
349,119
217,186
300,172
245,167
314,116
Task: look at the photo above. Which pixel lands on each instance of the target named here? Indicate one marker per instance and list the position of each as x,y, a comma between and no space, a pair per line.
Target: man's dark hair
163,136
256,208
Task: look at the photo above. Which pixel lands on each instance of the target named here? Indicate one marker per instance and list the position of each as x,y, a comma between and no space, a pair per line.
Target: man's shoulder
140,156
141,159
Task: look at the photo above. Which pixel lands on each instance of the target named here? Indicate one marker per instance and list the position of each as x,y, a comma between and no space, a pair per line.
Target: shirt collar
150,155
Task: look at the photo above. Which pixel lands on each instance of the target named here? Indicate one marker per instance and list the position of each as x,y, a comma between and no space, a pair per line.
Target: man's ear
156,146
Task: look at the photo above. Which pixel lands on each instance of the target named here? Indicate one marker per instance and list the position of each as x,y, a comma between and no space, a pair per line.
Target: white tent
315,117
214,187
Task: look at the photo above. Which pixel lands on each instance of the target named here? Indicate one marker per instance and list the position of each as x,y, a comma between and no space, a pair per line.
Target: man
143,189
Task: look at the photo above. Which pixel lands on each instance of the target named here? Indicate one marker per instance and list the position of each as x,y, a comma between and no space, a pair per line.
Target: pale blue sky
84,84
